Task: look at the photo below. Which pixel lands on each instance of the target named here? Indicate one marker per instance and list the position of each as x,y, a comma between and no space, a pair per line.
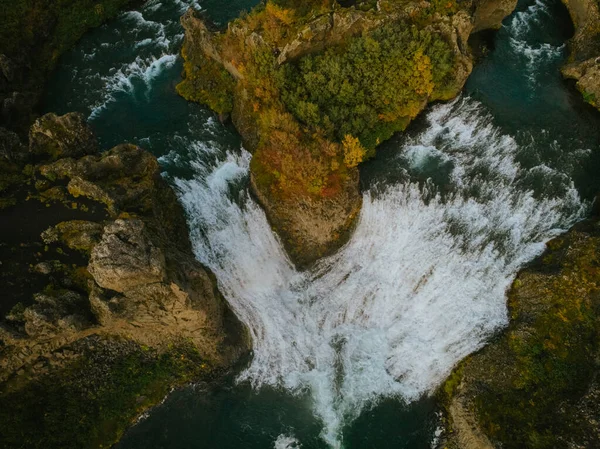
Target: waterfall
420,285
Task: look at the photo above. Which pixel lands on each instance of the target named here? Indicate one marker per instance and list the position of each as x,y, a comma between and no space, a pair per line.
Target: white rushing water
522,31
420,285
146,42
287,442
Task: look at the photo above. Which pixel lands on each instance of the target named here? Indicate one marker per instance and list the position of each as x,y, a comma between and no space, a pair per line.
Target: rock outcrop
536,384
117,271
489,14
584,60
58,137
306,149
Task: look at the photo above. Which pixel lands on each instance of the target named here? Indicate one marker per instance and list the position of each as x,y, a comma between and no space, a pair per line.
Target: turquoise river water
347,353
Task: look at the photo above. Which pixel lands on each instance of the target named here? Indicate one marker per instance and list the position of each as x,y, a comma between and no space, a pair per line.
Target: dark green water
123,76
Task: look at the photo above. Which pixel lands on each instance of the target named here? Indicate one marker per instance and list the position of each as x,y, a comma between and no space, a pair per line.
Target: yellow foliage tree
285,16
423,76
354,152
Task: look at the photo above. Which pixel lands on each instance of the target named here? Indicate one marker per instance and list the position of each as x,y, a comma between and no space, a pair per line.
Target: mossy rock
93,394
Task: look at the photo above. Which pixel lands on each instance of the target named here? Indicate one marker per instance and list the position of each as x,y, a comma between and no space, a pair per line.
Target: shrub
370,87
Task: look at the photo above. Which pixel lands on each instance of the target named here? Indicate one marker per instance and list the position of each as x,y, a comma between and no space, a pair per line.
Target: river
346,353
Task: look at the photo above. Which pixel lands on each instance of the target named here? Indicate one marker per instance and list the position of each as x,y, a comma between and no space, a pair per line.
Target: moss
590,98
208,83
527,385
449,387
17,313
90,402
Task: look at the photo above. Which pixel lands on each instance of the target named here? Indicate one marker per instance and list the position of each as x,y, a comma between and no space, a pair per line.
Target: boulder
126,257
56,137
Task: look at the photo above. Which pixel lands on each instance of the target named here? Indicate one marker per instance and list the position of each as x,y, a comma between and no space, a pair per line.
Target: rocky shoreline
583,65
536,384
106,306
123,280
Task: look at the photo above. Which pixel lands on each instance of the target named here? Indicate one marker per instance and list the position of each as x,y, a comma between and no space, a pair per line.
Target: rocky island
314,87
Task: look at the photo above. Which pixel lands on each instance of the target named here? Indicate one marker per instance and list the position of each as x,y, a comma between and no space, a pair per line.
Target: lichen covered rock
57,137
126,257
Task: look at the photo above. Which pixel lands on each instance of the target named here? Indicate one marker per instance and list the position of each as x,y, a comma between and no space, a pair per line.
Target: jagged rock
55,312
61,136
584,59
489,14
123,178
99,306
76,234
126,257
587,75
81,187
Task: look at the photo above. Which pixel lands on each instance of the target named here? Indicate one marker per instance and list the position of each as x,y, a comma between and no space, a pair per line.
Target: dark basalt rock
57,137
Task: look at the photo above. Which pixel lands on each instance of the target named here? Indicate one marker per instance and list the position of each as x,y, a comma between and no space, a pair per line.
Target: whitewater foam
420,285
521,39
287,442
149,45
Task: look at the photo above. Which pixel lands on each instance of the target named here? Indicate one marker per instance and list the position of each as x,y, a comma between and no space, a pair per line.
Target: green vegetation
590,98
527,386
210,84
90,402
371,87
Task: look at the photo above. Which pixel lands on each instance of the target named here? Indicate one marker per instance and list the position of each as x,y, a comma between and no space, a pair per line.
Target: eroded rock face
127,271
489,14
584,61
61,136
126,257
76,234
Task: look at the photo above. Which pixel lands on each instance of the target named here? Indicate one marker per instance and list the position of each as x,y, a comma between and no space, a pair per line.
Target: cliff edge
536,385
104,307
314,87
584,60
